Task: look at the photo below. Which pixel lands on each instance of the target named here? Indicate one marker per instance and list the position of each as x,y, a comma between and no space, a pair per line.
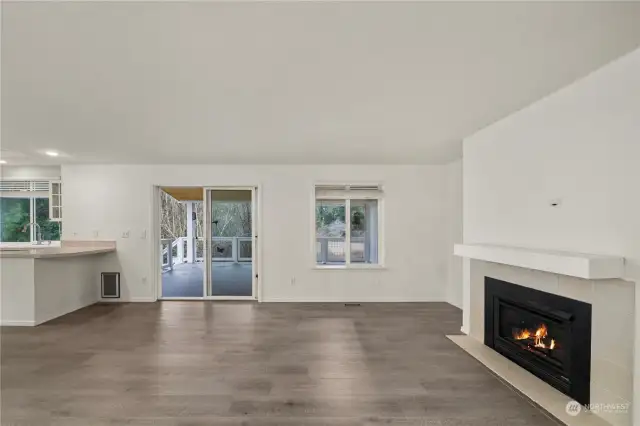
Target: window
17,211
55,200
50,229
14,215
352,242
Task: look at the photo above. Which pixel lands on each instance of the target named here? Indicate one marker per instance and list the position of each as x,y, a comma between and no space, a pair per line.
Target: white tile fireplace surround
612,337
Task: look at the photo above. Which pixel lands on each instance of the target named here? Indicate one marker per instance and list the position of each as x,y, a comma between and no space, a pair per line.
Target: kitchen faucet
38,231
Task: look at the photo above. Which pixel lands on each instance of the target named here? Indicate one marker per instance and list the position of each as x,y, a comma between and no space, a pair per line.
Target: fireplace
548,335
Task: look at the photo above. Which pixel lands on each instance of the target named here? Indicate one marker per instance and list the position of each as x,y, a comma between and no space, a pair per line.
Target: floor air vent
110,285
351,305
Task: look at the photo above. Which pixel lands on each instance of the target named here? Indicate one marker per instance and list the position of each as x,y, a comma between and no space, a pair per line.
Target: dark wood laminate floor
208,363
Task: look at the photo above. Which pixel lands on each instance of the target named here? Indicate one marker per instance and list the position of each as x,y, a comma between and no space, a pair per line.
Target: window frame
52,193
347,195
32,196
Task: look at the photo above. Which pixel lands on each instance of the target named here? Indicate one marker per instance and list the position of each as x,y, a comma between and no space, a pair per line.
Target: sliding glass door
231,258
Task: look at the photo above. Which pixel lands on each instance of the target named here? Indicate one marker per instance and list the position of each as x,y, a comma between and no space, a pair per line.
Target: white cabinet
55,200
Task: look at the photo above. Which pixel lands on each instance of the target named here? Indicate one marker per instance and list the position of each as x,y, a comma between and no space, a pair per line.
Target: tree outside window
16,213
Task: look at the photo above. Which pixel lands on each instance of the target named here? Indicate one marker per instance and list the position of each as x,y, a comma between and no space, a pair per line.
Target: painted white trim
254,241
363,301
39,179
51,206
129,300
206,247
256,219
581,265
351,267
347,233
25,194
381,233
154,240
18,323
257,264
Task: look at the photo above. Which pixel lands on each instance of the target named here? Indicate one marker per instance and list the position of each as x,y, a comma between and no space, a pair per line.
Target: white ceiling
290,82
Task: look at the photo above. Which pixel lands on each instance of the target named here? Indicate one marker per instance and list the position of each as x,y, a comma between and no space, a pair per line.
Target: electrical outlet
95,234
125,234
293,281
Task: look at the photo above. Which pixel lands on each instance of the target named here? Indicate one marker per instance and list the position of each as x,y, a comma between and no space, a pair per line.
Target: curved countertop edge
56,252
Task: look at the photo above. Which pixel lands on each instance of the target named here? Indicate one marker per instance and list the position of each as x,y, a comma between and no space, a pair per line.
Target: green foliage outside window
50,230
15,214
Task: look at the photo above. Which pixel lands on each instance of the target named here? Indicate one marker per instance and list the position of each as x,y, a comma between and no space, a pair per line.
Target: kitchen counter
39,284
64,250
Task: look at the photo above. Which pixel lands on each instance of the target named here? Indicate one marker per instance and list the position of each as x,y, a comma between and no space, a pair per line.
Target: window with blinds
26,212
347,225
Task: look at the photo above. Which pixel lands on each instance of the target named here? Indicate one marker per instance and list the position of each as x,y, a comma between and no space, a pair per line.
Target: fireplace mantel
581,265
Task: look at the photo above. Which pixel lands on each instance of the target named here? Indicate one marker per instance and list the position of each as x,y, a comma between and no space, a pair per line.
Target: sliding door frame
256,222
154,237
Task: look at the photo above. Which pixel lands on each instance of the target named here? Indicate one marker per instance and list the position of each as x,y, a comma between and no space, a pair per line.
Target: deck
229,279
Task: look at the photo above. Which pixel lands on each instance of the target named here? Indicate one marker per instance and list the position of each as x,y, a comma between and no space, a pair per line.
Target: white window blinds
348,191
24,185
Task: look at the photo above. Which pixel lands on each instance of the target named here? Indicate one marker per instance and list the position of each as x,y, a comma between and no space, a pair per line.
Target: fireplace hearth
548,335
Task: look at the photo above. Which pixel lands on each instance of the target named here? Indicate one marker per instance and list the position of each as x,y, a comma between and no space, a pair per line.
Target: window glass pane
330,232
50,230
364,231
14,215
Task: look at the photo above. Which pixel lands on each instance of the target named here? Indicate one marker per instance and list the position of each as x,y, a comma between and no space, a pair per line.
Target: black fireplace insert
548,335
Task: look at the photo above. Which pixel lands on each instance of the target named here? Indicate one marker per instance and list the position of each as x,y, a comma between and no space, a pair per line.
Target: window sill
356,267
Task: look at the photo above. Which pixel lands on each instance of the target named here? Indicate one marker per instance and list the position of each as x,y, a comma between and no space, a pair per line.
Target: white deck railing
331,249
239,249
224,249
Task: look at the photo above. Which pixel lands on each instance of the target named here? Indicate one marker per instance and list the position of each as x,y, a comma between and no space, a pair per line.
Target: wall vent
110,285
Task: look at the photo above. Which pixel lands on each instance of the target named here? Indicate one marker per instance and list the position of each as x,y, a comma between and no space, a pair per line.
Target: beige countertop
65,249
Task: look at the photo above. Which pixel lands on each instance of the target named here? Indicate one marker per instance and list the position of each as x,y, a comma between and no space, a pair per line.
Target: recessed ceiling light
3,162
52,153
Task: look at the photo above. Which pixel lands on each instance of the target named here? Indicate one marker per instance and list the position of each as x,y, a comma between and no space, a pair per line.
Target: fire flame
538,336
541,333
522,334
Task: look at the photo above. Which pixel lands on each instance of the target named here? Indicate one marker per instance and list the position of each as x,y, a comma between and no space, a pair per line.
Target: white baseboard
381,300
130,300
12,323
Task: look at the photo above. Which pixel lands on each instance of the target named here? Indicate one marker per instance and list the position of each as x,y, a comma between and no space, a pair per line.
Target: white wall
453,196
580,145
64,285
17,293
30,172
113,199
